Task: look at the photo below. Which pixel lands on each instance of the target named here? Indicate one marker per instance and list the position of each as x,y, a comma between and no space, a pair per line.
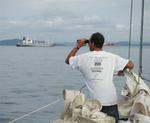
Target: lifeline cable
25,115
34,111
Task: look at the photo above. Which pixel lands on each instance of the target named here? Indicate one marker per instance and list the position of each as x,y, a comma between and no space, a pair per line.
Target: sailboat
134,108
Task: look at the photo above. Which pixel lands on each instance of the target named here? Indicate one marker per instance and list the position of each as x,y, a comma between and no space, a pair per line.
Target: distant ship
26,42
108,44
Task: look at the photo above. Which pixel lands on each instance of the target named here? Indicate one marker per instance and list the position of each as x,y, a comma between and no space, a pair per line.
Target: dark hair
98,39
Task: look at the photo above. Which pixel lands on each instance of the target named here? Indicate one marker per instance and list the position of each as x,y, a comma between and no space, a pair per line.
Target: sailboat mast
141,40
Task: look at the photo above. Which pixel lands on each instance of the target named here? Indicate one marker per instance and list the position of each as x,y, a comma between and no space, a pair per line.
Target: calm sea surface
33,77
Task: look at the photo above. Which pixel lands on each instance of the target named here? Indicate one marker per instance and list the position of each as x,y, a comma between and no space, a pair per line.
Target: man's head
97,40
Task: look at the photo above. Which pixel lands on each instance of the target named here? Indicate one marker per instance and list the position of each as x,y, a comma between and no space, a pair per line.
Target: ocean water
33,77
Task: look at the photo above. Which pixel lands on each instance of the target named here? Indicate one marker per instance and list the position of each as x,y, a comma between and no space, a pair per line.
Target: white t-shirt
98,68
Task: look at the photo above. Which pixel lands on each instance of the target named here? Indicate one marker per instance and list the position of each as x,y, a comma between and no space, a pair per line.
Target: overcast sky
67,20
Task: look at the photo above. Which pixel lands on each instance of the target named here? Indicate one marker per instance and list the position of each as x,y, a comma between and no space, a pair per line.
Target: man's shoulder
101,53
86,54
109,53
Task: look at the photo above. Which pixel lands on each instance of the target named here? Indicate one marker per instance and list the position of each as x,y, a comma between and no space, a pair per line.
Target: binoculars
86,41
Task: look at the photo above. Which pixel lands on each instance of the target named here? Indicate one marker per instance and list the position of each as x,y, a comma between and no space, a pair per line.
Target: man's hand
120,73
81,42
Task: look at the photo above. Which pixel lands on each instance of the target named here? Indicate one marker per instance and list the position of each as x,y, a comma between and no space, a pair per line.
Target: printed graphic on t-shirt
97,65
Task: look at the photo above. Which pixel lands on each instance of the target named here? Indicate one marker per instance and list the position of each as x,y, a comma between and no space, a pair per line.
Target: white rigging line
141,44
141,40
130,30
25,115
41,108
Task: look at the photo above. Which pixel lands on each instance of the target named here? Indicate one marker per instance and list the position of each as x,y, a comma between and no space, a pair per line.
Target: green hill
9,42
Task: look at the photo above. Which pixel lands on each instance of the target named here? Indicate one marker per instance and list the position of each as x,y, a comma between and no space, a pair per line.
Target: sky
68,20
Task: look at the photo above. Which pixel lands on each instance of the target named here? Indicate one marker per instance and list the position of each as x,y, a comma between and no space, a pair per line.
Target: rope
130,30
39,109
145,79
82,88
141,41
23,116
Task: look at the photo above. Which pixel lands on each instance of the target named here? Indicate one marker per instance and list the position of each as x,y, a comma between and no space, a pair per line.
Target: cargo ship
26,42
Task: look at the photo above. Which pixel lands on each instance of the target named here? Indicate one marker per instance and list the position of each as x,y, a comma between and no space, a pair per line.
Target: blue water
34,77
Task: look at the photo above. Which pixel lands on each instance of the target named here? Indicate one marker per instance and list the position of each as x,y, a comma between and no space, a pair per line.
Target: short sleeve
120,63
74,62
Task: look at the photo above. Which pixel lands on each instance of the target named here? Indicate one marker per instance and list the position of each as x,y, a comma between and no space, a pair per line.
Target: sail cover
136,101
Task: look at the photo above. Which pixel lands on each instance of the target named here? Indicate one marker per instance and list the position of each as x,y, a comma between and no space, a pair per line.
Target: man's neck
98,49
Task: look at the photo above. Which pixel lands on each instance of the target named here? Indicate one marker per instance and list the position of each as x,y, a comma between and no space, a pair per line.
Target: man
98,67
